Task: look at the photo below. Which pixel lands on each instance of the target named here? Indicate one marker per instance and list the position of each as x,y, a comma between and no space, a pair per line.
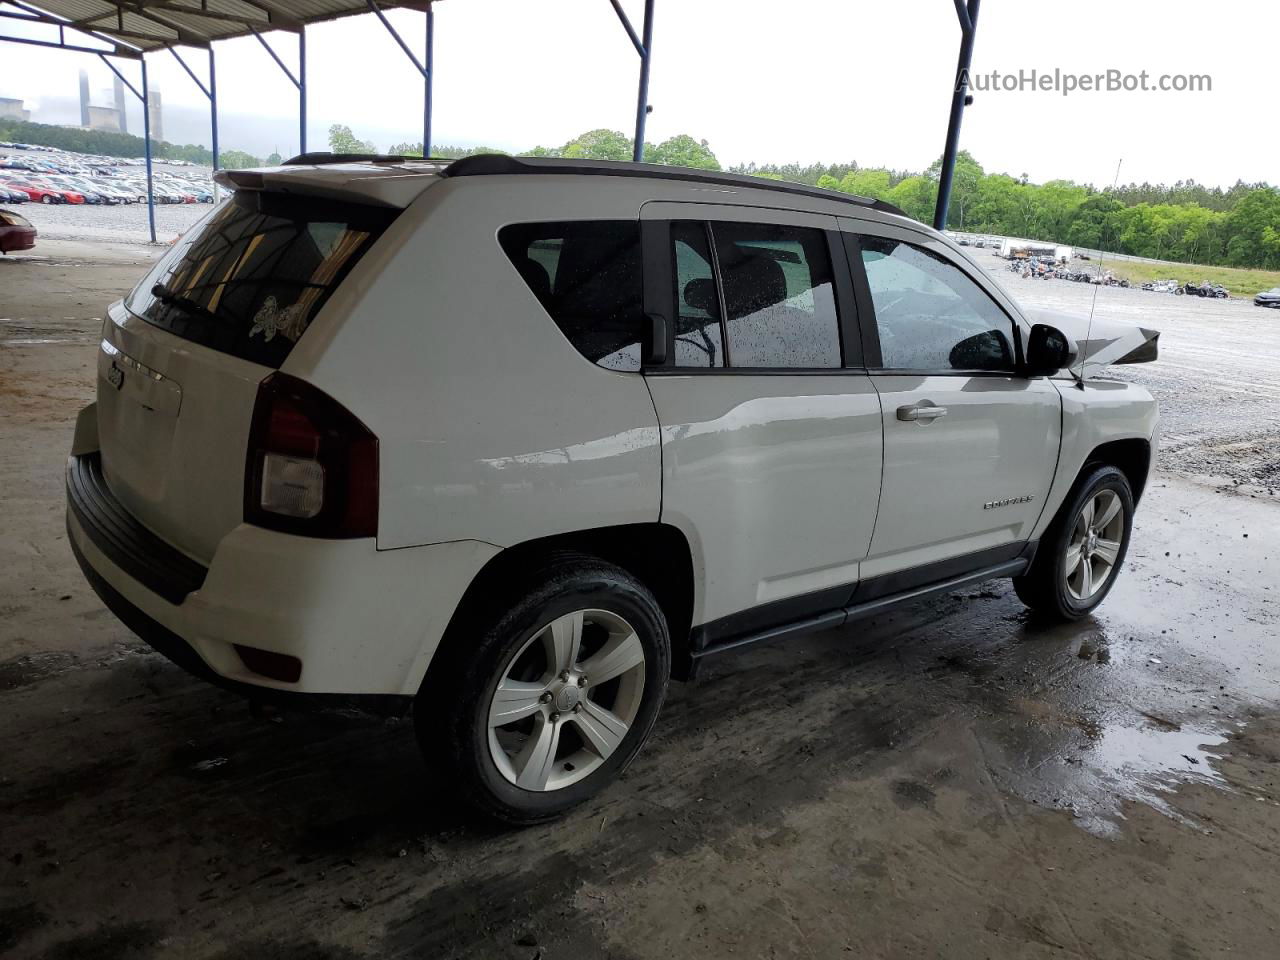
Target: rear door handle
924,410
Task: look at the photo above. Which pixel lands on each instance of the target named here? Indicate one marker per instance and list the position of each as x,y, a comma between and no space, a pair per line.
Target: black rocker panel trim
835,606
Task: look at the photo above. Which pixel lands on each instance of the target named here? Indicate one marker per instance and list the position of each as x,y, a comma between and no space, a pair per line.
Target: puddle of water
1139,764
1093,767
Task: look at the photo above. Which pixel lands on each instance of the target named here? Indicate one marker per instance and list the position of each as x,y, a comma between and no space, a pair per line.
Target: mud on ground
951,780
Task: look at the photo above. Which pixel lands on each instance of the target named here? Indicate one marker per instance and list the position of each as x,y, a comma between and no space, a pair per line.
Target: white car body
786,500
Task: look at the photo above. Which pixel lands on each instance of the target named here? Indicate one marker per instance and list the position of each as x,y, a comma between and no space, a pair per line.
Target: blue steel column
146,149
302,90
642,97
959,96
213,105
428,77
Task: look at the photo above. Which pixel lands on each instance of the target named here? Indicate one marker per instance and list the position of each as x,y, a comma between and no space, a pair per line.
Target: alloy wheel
1094,546
566,700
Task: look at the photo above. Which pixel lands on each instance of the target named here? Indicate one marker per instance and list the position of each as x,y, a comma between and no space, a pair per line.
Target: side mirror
1048,351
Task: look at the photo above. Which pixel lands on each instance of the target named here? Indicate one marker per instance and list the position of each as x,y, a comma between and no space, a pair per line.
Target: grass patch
1239,281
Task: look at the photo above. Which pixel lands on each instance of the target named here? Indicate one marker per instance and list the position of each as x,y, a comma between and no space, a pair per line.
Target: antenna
1101,254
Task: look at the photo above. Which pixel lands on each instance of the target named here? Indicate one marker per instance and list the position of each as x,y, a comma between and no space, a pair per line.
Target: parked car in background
16,232
114,190
88,185
40,192
67,193
687,411
74,185
1268,298
12,194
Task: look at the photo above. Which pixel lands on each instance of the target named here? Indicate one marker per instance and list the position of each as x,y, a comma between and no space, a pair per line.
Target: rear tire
1081,553
540,702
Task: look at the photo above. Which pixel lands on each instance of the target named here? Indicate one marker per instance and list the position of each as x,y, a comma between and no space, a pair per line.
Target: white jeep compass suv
515,441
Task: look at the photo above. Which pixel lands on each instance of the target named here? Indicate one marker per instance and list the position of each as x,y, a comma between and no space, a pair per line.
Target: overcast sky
806,80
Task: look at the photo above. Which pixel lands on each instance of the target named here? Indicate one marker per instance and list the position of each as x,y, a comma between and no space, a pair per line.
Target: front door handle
925,410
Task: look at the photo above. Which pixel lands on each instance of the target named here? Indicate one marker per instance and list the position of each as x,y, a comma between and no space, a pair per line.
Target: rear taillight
312,467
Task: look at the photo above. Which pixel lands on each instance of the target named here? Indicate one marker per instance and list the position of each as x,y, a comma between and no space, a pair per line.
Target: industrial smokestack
157,114
119,90
84,99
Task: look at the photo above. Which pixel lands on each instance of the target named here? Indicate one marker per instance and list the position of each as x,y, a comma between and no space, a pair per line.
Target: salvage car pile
40,175
1046,268
1202,289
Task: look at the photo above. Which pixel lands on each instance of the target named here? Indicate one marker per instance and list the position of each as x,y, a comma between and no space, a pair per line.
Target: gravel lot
124,223
1217,379
954,779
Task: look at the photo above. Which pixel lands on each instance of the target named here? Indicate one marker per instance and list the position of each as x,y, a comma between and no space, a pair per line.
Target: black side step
836,618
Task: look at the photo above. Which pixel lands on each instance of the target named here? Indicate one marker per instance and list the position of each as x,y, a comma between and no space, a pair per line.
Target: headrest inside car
752,283
700,294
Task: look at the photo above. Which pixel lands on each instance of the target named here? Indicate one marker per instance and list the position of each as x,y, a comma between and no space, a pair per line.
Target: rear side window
252,276
778,296
699,339
586,275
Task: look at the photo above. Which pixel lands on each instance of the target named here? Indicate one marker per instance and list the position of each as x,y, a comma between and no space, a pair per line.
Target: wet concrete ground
951,780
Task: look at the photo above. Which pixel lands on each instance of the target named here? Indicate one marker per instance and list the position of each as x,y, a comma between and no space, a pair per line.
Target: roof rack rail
319,158
497,164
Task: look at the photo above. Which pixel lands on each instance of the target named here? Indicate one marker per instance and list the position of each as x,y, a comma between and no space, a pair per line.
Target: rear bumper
362,621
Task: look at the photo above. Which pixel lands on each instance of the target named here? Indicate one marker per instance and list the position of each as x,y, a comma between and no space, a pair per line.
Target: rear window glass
252,276
586,274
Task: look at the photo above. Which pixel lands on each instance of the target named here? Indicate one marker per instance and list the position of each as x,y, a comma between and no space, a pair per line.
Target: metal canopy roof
147,25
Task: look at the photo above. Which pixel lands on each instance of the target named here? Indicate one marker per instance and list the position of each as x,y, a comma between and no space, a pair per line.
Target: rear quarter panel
491,426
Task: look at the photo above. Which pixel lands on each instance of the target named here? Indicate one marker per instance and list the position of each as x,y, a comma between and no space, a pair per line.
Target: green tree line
681,151
1186,222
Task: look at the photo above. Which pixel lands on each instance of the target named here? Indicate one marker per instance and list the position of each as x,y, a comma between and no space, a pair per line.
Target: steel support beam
300,81
32,15
424,67
211,94
142,95
213,112
124,53
302,89
960,98
644,47
428,78
146,140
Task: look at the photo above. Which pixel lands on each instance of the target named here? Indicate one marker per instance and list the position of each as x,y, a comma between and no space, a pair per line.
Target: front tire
549,699
1081,554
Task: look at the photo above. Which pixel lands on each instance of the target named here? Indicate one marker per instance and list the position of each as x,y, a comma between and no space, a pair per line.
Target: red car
16,232
46,192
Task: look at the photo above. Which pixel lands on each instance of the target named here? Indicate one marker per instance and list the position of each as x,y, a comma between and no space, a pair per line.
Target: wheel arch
656,554
1131,456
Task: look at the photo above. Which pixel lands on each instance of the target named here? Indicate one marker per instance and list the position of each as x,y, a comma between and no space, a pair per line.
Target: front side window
929,314
586,274
778,294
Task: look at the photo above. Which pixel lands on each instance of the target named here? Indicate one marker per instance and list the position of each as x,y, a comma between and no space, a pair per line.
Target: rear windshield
250,278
